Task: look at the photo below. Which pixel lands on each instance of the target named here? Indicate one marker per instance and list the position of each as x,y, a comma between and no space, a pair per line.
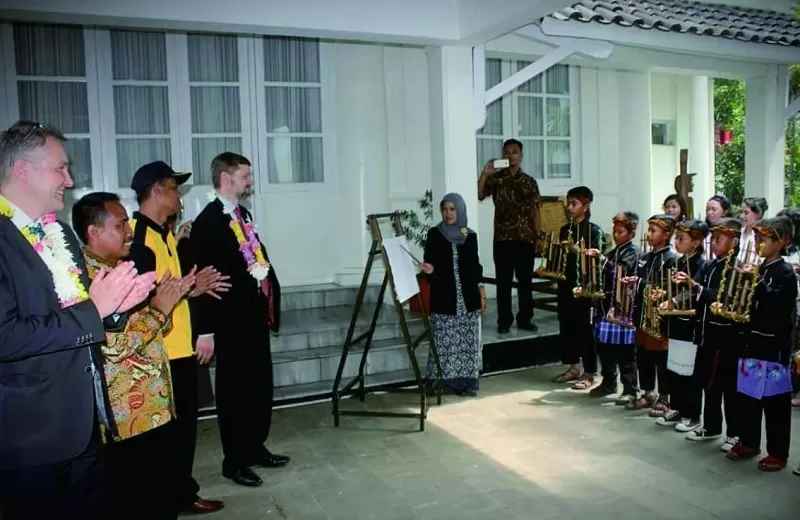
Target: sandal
573,374
771,464
637,404
583,384
740,452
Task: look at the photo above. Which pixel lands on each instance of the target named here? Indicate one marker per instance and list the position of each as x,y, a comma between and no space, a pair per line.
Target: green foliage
729,112
417,228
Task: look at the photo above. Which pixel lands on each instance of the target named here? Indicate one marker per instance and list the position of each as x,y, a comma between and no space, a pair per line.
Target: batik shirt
136,368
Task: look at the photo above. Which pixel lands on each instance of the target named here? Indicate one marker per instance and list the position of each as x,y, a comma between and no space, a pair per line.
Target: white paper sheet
404,270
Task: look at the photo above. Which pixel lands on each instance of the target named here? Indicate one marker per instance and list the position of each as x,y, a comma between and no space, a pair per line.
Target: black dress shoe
271,460
243,477
528,326
503,330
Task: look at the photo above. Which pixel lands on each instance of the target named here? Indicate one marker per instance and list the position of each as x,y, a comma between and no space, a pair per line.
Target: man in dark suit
238,325
52,394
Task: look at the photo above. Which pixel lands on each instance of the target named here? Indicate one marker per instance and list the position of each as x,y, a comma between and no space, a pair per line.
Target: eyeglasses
19,134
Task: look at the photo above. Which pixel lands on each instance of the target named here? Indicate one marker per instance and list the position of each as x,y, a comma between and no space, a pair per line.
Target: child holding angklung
689,242
651,350
764,377
615,343
574,314
720,342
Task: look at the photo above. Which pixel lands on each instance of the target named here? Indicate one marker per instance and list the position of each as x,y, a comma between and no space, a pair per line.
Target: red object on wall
425,292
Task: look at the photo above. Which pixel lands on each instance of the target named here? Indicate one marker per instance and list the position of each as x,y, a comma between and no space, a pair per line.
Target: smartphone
500,163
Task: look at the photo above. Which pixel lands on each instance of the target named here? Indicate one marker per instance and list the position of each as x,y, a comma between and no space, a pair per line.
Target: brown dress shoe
202,506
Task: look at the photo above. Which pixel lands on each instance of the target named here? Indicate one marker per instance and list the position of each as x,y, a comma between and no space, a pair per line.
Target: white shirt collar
228,207
20,218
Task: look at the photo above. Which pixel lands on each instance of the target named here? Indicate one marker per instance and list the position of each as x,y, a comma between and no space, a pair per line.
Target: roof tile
717,20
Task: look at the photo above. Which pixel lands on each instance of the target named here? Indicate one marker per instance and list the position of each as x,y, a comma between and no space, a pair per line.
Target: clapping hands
120,289
211,282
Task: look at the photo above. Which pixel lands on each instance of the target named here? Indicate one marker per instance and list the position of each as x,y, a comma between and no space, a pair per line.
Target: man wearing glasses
52,393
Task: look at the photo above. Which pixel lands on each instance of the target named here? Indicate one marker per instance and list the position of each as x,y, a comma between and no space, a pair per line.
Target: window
52,88
293,107
538,114
141,101
490,137
662,133
215,96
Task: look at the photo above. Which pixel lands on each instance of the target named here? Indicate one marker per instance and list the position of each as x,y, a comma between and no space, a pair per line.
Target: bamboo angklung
590,275
679,295
622,301
737,286
555,265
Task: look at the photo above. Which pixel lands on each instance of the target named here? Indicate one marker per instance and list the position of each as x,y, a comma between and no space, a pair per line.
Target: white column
765,128
701,142
454,151
634,152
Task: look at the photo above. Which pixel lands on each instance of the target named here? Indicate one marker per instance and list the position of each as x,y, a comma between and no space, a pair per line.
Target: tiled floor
524,448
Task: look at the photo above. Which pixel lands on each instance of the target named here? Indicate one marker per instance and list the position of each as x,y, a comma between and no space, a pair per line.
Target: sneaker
729,443
670,418
687,425
701,434
796,399
624,399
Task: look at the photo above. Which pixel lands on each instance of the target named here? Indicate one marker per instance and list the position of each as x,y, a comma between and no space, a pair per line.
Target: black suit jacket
242,310
47,406
439,253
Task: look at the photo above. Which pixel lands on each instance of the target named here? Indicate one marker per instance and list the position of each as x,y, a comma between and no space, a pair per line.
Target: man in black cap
154,248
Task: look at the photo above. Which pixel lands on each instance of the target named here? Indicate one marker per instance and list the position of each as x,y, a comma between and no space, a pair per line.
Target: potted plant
416,229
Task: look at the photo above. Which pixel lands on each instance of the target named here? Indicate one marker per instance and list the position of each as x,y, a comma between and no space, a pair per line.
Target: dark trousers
576,333
184,388
514,258
652,366
67,489
686,392
721,365
244,396
137,481
777,413
622,358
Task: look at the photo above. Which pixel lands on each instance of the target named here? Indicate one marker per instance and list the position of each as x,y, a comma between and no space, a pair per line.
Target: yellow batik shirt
136,368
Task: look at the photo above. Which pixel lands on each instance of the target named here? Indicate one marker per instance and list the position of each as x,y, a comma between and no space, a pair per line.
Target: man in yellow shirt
154,248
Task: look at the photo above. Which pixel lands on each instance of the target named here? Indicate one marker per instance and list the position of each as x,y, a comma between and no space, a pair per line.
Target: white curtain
293,95
141,101
51,87
215,100
490,137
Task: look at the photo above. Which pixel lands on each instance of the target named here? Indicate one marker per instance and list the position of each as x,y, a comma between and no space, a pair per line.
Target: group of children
742,363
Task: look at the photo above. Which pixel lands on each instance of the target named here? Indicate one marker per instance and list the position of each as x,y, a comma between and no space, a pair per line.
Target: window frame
328,112
511,125
9,104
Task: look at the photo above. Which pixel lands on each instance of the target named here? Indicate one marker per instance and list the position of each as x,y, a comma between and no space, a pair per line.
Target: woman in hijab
457,298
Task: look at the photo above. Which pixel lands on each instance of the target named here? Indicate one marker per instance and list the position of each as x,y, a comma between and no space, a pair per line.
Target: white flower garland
53,249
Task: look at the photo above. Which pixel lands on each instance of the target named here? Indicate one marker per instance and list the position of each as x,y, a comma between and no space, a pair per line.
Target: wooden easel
373,221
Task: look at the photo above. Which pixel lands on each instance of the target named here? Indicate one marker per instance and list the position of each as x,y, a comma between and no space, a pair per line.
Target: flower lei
245,232
48,240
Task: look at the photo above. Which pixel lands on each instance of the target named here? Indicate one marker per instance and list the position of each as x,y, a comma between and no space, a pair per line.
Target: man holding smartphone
516,229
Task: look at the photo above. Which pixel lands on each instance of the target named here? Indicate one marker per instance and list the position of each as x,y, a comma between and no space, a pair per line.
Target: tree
729,113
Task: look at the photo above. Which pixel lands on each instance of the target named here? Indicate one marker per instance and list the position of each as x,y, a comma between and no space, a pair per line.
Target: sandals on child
583,384
771,464
740,452
572,374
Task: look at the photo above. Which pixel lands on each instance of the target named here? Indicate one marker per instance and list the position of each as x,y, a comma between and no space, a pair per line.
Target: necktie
266,283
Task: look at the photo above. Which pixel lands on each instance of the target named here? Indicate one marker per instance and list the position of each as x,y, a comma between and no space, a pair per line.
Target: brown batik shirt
515,197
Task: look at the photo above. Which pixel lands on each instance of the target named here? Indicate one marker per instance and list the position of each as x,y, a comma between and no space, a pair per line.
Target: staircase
314,323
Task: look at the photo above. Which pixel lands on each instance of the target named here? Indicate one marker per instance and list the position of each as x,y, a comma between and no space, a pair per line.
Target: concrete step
300,297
